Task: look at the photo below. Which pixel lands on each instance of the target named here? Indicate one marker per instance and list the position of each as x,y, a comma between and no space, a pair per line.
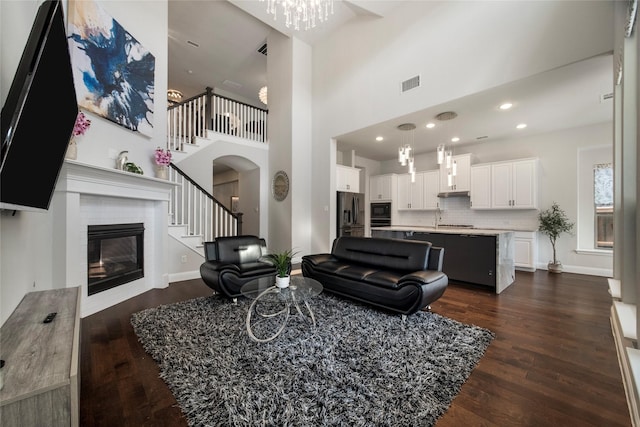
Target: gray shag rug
357,367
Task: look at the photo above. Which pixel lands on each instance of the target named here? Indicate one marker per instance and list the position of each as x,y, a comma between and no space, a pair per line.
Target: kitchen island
472,255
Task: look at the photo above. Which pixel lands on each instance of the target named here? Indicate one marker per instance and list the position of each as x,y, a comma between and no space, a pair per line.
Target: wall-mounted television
38,115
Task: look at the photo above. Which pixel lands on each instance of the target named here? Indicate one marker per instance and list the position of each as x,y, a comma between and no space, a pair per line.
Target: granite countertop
444,230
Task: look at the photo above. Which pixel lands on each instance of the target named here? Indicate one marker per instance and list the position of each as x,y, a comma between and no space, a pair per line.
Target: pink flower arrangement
163,157
82,124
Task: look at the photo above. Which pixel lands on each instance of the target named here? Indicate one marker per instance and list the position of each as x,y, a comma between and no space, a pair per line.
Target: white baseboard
185,275
578,269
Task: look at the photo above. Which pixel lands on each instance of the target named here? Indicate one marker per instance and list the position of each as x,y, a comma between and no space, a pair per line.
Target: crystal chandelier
405,152
262,94
306,11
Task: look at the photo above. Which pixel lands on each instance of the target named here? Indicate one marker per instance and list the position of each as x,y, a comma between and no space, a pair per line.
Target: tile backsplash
456,210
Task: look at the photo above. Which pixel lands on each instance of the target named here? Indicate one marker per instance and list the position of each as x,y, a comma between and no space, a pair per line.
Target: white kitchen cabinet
462,180
514,185
410,194
481,186
525,250
431,185
347,179
380,187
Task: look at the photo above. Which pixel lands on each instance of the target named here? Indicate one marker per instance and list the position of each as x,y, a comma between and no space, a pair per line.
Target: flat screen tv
38,115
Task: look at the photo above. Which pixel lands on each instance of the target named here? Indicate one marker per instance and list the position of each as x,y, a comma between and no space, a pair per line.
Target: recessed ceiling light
379,138
521,126
506,106
431,125
455,139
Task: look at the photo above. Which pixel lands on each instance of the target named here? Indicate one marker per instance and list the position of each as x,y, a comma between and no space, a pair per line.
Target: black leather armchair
233,261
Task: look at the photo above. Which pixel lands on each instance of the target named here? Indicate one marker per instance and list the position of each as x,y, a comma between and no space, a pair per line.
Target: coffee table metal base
285,313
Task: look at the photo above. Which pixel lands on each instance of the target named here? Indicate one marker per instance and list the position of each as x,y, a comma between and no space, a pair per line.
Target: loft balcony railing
207,111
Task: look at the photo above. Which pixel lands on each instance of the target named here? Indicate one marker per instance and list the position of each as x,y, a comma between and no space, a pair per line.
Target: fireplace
115,255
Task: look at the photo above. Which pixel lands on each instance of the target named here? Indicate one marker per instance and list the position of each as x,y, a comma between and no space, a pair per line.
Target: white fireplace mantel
91,195
82,178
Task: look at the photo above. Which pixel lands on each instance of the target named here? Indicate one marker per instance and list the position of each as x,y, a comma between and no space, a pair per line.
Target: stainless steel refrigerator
350,214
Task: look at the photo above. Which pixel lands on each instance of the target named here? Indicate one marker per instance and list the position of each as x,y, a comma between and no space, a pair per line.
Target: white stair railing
204,216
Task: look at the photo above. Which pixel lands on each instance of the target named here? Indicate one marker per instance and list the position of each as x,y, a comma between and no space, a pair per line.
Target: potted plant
553,222
79,128
282,262
162,158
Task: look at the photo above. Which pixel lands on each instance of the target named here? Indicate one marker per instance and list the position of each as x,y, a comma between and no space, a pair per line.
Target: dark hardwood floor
553,362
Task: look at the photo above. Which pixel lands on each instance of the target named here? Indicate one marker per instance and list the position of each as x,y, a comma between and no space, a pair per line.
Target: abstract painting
113,73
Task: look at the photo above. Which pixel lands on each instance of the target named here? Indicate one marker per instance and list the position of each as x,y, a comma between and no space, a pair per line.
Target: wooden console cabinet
41,372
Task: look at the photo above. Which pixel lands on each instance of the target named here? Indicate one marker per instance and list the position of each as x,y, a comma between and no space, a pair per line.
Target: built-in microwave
380,214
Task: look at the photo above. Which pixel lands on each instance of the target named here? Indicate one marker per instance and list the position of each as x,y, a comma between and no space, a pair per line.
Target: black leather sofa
233,261
397,275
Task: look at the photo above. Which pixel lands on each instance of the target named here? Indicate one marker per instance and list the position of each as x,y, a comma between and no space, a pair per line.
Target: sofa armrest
316,259
422,276
436,258
221,265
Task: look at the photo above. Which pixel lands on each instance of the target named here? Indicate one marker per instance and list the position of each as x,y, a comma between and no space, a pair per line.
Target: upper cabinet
410,194
514,184
347,179
481,186
421,194
462,179
380,187
431,188
505,185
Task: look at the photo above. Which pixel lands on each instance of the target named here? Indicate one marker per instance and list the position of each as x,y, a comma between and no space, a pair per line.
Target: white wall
26,246
458,48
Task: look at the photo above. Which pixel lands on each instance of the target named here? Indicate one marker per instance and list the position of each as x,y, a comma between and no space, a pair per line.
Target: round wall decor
280,185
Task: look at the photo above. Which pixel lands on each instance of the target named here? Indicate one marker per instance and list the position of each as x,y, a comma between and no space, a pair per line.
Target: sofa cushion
239,249
390,254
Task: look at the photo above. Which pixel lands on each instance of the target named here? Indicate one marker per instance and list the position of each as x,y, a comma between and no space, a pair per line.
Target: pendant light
405,152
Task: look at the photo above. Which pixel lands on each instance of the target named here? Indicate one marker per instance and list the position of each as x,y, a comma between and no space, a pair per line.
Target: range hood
455,194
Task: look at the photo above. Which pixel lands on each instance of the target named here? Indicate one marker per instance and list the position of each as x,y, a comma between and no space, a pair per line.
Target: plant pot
72,150
554,267
162,171
283,282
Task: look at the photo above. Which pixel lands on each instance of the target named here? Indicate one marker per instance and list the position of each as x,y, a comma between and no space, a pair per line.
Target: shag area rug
357,367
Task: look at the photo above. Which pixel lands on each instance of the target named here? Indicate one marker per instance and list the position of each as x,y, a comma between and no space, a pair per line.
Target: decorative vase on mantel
72,150
162,171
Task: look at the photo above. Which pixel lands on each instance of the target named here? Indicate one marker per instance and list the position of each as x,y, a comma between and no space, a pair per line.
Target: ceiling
215,43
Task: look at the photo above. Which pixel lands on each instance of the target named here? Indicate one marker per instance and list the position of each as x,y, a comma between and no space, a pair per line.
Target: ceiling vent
411,83
232,84
606,96
263,49
447,115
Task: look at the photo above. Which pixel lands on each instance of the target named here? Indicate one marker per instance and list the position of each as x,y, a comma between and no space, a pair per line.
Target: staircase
195,216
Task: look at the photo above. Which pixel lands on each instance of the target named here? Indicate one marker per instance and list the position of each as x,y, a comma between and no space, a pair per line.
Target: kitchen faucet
438,216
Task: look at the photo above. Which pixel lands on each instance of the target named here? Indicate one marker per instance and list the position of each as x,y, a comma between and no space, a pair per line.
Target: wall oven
380,214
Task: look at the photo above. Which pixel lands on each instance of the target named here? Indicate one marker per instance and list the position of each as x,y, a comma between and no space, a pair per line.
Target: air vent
606,97
411,83
447,115
263,49
230,83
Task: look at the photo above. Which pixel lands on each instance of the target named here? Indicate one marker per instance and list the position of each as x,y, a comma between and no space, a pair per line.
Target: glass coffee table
272,306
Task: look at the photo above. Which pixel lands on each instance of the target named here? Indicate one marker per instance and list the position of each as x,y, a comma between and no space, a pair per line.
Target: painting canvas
113,72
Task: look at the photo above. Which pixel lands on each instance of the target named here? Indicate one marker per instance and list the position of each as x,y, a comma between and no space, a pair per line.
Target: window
603,205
